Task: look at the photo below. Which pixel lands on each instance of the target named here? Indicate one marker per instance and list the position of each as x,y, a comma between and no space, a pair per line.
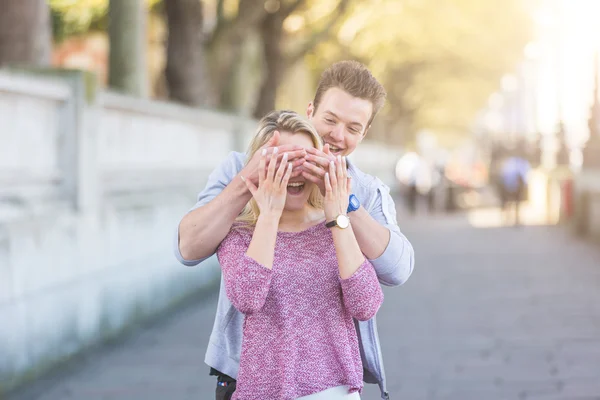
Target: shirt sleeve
362,293
217,180
247,282
395,265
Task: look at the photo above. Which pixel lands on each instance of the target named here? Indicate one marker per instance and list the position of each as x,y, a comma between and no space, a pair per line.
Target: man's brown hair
355,79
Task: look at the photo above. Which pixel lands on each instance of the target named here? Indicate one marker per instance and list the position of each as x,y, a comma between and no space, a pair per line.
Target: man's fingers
297,162
296,157
310,177
322,161
316,152
286,148
271,143
274,141
296,172
314,169
296,154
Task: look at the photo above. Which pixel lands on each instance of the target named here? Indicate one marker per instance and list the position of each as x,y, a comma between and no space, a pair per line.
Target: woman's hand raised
337,188
271,193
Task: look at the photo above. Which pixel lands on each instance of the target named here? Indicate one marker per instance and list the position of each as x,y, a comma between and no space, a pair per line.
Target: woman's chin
295,204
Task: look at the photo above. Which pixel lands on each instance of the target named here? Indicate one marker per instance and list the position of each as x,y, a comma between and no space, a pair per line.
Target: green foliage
76,17
439,61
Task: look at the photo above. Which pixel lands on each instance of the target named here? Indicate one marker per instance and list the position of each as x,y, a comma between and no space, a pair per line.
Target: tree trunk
186,71
276,61
127,35
226,47
271,32
25,33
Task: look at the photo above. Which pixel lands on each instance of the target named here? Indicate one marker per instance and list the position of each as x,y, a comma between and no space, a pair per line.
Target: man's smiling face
341,120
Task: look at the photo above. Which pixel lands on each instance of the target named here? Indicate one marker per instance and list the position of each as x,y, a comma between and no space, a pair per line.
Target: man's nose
337,133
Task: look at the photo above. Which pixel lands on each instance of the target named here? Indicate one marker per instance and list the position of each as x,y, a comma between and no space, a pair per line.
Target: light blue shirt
514,171
393,268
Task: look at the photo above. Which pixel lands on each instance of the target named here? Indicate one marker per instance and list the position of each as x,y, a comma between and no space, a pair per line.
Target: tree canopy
439,61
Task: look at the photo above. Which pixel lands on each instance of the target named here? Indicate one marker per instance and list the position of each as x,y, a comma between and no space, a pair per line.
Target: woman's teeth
295,187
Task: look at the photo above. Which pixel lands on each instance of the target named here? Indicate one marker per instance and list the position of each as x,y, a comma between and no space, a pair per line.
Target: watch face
354,203
342,221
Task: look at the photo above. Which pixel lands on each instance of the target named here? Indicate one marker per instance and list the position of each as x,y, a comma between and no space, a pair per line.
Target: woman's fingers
271,167
328,189
286,177
341,175
262,167
251,186
333,177
345,174
281,171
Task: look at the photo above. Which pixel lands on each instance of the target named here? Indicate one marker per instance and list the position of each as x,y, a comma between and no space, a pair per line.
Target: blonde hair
355,79
284,121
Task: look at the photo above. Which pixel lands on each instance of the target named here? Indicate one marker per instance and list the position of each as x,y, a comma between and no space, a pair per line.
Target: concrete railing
91,188
31,141
140,139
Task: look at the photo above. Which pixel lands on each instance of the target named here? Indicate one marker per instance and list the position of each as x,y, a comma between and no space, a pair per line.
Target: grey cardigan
393,268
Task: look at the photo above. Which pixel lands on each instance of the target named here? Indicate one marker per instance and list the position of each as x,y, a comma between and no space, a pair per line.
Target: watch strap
331,224
351,207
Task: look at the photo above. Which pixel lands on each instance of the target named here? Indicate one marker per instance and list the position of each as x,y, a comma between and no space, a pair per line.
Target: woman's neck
300,219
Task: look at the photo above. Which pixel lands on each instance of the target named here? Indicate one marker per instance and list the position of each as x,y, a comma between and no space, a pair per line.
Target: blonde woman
291,263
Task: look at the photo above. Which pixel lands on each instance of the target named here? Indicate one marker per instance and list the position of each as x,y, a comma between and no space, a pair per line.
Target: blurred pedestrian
513,174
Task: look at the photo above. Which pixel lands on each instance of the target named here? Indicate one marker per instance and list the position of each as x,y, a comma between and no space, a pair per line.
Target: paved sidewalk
499,313
162,360
489,314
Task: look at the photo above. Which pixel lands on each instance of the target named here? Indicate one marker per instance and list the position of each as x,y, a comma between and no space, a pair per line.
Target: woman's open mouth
295,188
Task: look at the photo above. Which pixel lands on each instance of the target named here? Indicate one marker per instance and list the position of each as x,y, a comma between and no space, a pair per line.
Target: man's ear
310,110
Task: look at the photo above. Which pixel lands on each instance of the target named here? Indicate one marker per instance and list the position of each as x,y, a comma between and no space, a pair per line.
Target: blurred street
498,313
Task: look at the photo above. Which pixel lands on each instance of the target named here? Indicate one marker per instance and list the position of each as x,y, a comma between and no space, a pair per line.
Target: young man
347,99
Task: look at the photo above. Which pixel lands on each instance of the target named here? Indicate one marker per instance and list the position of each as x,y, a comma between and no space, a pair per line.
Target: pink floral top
299,334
